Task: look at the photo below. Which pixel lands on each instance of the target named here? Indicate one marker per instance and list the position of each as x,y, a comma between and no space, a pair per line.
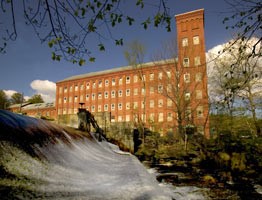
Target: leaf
82,62
119,42
53,56
83,12
101,47
130,20
92,59
50,44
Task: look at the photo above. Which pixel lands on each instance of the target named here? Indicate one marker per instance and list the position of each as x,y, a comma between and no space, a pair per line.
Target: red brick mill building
152,93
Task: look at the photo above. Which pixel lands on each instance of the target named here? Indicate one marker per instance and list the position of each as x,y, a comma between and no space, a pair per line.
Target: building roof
118,69
39,106
18,105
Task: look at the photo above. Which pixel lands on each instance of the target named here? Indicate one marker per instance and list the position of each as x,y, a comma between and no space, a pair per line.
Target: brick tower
192,61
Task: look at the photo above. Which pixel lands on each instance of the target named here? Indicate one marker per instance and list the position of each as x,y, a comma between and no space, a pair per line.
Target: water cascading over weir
41,160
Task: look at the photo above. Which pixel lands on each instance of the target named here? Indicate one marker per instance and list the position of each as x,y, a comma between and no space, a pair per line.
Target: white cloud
9,94
46,88
226,59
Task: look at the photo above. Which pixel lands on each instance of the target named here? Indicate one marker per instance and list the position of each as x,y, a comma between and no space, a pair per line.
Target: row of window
195,41
119,106
198,78
199,95
186,61
169,117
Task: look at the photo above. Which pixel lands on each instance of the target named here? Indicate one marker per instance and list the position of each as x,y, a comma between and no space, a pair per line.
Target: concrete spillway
40,160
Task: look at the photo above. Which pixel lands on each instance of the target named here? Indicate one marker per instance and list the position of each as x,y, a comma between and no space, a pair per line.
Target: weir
41,160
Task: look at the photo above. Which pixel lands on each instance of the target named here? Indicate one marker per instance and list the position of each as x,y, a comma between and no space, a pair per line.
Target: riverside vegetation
230,162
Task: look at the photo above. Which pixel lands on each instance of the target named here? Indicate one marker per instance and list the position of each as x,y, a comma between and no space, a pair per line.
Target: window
135,79
198,94
120,81
120,118
198,77
128,79
65,89
187,96
120,106
106,83
169,87
128,118
151,77
99,108
113,94
169,102
160,88
87,97
70,99
152,117
151,90
197,61
112,106
71,88
76,99
99,95
127,92
186,62
94,84
93,109
144,77
87,85
127,105
188,113
143,91
142,104
65,99
196,40
106,107
93,96
151,103
113,81
60,90
120,93
200,111
169,117
81,87
76,87
135,91
168,73
100,83
187,78
160,103
106,95
160,117
160,75
185,42
135,105
143,117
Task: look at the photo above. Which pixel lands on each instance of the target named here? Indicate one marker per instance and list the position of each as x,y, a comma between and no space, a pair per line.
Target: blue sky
27,66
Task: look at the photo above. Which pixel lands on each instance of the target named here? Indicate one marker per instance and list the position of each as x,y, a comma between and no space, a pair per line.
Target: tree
3,100
67,26
247,19
17,98
135,54
37,98
182,86
236,82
